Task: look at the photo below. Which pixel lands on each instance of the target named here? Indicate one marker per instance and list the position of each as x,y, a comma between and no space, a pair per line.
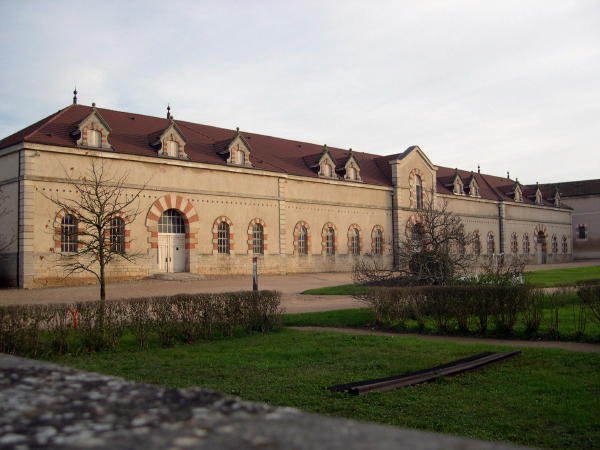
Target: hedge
35,330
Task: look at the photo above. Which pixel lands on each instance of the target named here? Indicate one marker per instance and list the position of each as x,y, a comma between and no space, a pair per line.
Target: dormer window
538,197
458,187
169,142
351,168
473,188
557,202
237,150
518,194
326,170
93,131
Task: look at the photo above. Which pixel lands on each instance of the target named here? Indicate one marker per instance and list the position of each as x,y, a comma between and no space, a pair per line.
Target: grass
364,317
563,277
540,278
544,398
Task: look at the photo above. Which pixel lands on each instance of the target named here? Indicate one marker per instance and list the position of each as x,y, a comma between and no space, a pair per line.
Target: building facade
584,198
213,198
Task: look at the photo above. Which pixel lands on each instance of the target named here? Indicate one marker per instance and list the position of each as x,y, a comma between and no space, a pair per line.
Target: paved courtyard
290,286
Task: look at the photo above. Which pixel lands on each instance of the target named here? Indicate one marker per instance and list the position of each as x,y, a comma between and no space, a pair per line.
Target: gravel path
571,346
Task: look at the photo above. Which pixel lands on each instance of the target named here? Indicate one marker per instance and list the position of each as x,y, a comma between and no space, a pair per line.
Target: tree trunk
102,284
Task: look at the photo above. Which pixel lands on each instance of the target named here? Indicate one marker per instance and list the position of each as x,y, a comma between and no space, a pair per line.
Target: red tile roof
572,188
131,134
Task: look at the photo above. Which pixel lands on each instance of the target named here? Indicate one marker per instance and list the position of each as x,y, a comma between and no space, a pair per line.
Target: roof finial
237,130
75,96
93,104
508,174
478,169
169,116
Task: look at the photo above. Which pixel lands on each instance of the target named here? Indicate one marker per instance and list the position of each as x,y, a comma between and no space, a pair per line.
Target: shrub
533,312
95,326
590,297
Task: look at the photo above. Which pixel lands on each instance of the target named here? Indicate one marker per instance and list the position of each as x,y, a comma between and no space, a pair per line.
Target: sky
511,85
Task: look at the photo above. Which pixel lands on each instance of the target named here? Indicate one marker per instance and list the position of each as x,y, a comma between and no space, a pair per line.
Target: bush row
33,330
471,308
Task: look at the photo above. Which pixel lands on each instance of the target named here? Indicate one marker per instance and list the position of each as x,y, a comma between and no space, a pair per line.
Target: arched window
355,241
554,244
172,148
258,240
117,235
514,244
419,191
223,238
565,245
327,170
378,247
526,244
491,244
351,173
476,244
68,234
94,138
330,241
171,221
302,240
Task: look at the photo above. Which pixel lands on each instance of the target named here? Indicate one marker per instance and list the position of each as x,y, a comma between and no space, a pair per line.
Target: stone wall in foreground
54,407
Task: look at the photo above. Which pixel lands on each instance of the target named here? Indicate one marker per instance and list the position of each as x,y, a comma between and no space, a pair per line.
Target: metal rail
423,376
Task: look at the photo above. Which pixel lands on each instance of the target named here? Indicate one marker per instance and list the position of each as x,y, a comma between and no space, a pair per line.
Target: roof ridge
58,113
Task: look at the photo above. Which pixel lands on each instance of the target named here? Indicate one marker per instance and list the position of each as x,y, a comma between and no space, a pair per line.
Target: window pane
171,221
68,238
257,239
223,238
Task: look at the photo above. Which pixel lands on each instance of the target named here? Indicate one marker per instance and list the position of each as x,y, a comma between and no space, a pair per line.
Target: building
215,197
584,198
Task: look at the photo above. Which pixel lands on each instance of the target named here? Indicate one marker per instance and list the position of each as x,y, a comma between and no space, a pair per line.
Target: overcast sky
509,85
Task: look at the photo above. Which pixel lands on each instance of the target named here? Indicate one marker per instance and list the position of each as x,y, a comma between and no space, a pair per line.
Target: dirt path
571,346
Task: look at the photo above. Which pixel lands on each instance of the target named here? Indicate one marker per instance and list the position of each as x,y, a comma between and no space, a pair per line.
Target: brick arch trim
251,232
540,227
187,210
215,234
324,238
297,227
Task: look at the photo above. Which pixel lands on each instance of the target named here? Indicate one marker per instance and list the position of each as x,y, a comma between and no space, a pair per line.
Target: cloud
509,85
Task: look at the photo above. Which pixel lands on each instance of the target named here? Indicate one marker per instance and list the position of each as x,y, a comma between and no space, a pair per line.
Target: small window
327,170
330,241
491,244
172,148
419,191
514,244
476,244
223,238
171,221
554,244
355,242
378,242
258,241
303,241
68,234
117,235
581,232
94,138
241,158
565,245
526,244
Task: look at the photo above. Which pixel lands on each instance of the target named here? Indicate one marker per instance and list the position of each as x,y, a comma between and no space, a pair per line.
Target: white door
171,252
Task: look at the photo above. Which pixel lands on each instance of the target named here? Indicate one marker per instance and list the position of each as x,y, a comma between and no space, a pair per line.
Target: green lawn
563,277
541,278
544,398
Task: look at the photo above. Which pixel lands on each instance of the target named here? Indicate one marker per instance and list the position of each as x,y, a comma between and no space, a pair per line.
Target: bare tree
434,250
101,208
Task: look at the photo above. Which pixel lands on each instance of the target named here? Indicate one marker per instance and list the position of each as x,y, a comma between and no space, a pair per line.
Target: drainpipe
501,217
21,152
394,230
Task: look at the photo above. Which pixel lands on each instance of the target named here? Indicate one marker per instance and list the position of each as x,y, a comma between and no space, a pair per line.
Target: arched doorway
171,242
541,247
